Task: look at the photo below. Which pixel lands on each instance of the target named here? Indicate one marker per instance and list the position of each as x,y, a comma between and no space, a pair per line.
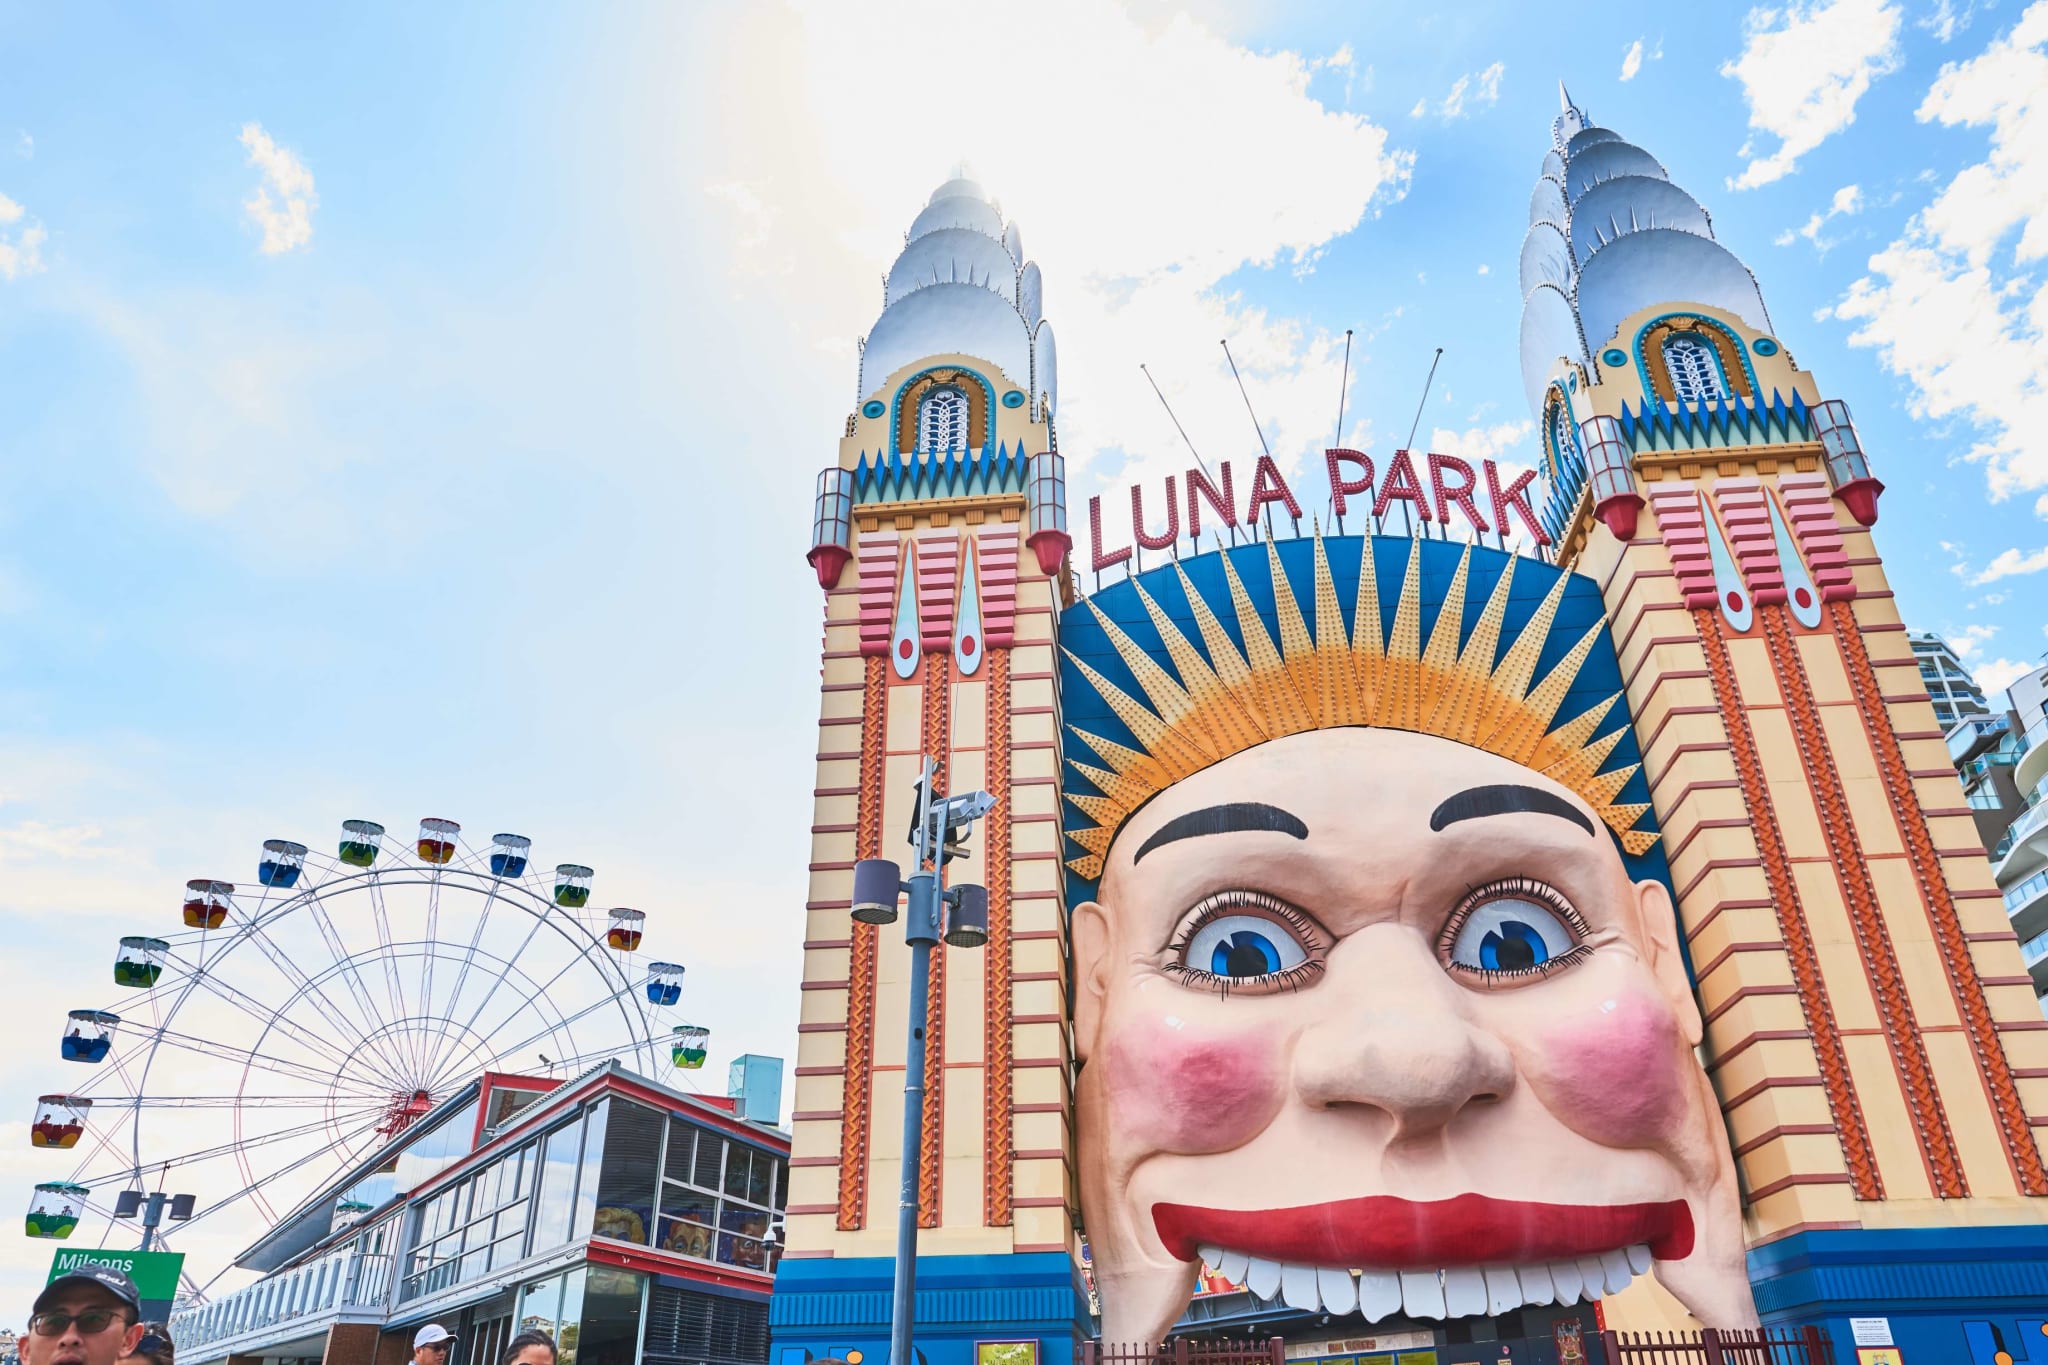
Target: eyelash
1213,907
1527,889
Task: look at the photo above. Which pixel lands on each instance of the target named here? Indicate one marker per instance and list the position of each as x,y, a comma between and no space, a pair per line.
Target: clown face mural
1380,1001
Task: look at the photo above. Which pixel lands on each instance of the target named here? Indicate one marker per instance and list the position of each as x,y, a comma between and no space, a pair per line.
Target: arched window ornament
1564,441
1694,369
942,421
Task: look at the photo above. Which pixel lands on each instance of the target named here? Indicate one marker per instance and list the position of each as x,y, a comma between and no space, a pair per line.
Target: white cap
433,1334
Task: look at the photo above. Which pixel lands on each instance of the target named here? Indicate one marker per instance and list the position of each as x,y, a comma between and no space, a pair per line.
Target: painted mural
1378,990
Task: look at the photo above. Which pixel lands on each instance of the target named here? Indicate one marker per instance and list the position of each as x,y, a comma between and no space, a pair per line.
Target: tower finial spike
1564,98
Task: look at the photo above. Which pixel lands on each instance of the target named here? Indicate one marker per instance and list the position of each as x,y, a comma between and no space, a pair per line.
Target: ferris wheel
286,1028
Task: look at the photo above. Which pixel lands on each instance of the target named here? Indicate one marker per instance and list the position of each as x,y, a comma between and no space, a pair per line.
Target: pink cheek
1173,1086
1614,1071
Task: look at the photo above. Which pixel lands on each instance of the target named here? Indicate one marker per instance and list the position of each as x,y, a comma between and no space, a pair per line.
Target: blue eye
1511,934
1243,948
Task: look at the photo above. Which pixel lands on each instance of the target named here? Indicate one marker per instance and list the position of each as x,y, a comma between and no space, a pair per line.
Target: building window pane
710,1160
610,1332
682,1148
689,1221
554,1199
572,1318
626,1181
740,1230
737,1163
593,1163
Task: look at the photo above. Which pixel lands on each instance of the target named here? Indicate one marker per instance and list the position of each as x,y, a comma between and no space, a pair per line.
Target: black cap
105,1276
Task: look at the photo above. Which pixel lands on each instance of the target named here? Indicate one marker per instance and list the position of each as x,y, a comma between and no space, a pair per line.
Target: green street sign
155,1272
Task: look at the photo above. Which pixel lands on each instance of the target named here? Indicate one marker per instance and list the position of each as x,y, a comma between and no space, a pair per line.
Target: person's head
87,1317
529,1348
154,1347
431,1344
1361,997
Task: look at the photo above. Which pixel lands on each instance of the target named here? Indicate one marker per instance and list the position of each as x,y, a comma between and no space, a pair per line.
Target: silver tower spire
1610,234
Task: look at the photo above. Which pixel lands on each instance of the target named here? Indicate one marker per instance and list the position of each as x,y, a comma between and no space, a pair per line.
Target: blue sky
413,410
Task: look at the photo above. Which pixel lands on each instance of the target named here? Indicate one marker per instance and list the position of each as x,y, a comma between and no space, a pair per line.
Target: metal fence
1181,1351
1771,1346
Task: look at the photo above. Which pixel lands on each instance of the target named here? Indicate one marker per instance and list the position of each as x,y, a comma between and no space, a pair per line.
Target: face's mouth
1444,1258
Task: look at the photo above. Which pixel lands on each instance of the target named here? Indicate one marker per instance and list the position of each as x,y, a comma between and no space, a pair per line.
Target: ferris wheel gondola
290,1027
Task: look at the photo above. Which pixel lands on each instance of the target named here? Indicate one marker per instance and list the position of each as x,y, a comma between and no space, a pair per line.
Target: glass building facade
626,1220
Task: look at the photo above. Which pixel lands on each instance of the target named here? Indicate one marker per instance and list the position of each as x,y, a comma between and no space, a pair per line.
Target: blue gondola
664,983
508,854
89,1036
282,862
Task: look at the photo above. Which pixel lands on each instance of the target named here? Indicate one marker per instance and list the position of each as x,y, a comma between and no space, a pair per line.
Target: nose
1397,1040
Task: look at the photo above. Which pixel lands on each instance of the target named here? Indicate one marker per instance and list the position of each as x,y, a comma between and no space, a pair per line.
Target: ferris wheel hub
407,1107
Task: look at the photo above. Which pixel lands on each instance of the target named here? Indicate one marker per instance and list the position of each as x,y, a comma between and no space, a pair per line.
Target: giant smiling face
1362,1000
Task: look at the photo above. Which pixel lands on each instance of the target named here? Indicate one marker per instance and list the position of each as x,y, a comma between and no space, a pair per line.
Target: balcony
2027,905
2031,773
1969,736
288,1314
2034,952
2025,845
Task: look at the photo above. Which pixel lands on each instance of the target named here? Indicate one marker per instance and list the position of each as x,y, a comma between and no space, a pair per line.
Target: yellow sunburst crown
1234,698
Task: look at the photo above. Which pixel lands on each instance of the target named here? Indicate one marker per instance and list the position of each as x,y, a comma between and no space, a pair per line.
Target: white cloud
1803,68
1135,250
1632,60
2008,563
1969,640
1483,442
1948,18
1943,305
1471,92
1995,675
21,244
1486,270
24,145
282,206
1848,200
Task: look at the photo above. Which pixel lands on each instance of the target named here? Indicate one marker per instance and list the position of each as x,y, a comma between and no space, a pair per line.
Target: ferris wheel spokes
483,918
257,1010
318,909
318,999
516,1048
279,1065
254,1188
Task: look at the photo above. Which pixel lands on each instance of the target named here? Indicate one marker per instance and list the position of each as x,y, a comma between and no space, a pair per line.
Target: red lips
1382,1232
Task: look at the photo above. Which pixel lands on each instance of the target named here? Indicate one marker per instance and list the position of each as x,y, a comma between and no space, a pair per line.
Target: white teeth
1262,1277
1594,1275
1338,1291
1455,1292
1298,1287
1536,1286
1379,1294
1503,1293
1464,1292
1422,1293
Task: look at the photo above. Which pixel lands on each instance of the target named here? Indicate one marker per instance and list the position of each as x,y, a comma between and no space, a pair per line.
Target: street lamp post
150,1207
960,915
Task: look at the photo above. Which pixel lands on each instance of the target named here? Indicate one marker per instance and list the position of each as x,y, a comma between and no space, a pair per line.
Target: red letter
1512,498
1102,561
1459,497
1262,493
1138,519
1225,502
1339,485
1400,483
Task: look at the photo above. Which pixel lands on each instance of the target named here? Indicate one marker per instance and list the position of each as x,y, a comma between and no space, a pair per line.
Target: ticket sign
1879,1355
155,1274
1871,1331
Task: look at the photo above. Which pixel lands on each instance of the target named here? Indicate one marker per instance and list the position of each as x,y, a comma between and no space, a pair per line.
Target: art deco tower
1871,1029
940,540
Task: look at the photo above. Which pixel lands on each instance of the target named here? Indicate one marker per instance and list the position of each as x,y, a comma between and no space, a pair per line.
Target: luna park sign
1429,487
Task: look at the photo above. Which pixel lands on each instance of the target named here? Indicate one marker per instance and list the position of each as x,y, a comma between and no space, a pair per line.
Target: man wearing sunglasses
91,1316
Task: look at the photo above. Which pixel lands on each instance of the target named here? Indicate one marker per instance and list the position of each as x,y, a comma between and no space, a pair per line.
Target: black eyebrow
1237,817
1475,802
